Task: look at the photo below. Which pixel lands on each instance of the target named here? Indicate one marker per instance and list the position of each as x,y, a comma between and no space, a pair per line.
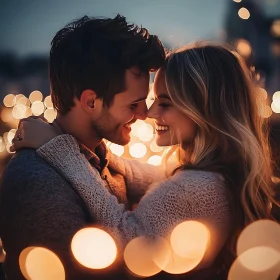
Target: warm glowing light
152,253
37,108
9,100
35,95
8,148
23,100
275,48
41,263
276,97
28,112
243,13
260,233
275,107
237,1
244,47
117,149
179,265
137,127
6,115
19,111
265,111
256,264
22,261
260,258
94,248
11,135
48,102
155,148
190,239
137,150
275,28
146,133
155,160
50,114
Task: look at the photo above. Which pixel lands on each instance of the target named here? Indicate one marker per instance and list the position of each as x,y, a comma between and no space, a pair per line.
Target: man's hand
33,133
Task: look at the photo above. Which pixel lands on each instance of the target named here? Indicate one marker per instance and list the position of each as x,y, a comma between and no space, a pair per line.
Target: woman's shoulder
197,177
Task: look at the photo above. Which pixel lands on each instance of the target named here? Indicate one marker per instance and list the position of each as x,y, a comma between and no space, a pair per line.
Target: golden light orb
243,13
41,263
9,100
37,108
35,95
94,248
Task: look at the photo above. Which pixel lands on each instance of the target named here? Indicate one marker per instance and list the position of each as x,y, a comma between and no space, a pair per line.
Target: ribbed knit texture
188,195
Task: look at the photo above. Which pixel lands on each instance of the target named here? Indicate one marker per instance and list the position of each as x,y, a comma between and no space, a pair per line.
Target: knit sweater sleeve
138,176
195,196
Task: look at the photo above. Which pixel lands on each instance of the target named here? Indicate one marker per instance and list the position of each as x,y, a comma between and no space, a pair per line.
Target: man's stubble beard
106,127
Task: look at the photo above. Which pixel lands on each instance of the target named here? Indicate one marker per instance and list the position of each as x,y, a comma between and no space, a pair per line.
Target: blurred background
27,28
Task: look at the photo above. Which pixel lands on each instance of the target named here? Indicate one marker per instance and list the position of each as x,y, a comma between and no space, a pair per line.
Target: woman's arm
138,176
161,209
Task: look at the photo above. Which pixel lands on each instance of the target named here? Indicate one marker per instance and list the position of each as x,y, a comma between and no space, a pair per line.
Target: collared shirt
115,182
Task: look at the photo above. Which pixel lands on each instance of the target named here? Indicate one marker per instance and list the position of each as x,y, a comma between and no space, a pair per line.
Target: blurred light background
27,28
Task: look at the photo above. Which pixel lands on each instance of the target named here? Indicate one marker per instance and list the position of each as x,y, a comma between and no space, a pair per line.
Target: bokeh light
48,102
41,263
19,111
243,13
37,108
244,47
275,28
9,100
190,240
260,233
152,254
50,114
260,258
137,150
94,248
116,149
155,160
11,135
35,95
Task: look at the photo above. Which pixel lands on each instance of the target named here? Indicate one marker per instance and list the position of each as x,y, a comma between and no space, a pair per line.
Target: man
99,76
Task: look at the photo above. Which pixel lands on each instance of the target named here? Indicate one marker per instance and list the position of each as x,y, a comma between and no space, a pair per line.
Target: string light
243,13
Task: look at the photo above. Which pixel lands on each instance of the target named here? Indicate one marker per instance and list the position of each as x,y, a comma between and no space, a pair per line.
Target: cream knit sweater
188,195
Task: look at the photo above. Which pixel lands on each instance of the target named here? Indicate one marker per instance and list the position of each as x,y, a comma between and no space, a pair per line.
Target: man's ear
89,100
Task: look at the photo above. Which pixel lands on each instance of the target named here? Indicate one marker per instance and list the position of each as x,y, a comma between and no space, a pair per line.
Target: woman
205,108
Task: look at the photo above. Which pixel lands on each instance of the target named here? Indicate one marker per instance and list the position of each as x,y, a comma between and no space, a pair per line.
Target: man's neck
79,129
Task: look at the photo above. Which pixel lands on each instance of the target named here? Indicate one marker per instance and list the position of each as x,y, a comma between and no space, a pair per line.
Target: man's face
114,122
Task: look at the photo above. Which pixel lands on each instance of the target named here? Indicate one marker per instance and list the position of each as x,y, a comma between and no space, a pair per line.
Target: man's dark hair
94,53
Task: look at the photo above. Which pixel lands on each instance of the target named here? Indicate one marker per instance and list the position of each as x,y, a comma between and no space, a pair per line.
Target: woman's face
172,126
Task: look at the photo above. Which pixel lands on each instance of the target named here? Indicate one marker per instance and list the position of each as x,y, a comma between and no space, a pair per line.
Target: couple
205,108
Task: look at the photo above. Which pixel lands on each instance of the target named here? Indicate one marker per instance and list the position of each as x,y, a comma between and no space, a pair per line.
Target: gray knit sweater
39,206
188,195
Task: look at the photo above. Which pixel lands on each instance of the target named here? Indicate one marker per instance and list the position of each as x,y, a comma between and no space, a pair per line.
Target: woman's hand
33,133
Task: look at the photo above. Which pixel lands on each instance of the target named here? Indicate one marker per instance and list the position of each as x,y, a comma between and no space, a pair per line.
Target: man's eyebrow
139,100
164,95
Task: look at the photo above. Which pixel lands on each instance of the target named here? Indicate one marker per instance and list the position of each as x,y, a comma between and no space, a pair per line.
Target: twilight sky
27,26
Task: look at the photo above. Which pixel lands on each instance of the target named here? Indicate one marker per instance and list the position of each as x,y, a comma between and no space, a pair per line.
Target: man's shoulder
26,168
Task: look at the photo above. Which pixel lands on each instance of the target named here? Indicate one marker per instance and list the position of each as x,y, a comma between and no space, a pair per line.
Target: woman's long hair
211,85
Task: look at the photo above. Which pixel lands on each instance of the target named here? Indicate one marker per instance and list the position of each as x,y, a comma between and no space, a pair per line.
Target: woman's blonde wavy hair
212,86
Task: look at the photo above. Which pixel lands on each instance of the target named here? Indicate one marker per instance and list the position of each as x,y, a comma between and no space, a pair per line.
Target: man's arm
39,208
